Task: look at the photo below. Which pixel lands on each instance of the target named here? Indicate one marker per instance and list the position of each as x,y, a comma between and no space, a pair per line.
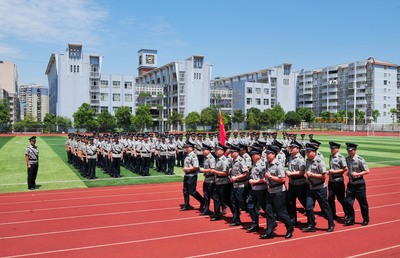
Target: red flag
222,134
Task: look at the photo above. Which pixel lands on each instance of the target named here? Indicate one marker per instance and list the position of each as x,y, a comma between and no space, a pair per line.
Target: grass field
56,173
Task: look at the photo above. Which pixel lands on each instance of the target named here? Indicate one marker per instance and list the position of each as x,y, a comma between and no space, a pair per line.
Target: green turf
56,173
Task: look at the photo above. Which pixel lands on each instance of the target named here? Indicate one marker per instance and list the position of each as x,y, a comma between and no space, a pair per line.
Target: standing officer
146,150
316,173
199,146
190,168
136,154
209,178
68,148
162,154
338,167
179,148
238,175
116,153
297,180
171,155
276,197
91,158
258,192
357,169
32,162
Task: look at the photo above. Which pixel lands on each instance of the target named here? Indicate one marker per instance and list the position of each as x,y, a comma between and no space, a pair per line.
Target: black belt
277,185
356,179
241,180
337,176
317,184
221,176
296,177
209,176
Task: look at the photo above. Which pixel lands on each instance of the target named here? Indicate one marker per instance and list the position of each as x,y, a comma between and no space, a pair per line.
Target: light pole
355,99
347,100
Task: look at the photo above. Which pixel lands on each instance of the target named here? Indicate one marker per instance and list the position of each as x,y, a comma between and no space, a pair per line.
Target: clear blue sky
235,36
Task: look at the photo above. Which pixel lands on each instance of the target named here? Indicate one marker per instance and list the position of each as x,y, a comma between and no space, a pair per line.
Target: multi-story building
75,78
366,85
221,97
34,99
185,84
262,89
9,82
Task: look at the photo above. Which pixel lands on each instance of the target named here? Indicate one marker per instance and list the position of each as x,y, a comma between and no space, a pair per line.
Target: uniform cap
256,150
351,146
189,144
296,144
272,149
33,138
235,148
316,142
311,146
221,147
277,143
206,147
261,143
242,146
334,145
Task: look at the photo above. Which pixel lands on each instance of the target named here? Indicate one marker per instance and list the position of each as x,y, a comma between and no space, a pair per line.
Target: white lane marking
375,251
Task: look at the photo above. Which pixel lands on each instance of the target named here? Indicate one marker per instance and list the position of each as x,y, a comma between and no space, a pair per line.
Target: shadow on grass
4,140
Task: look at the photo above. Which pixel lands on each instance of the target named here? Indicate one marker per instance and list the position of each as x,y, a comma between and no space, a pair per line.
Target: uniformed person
316,174
162,154
136,154
146,152
190,168
303,142
276,198
297,180
179,148
171,155
258,192
199,146
223,186
68,148
209,179
32,162
357,169
116,154
238,174
336,188
91,158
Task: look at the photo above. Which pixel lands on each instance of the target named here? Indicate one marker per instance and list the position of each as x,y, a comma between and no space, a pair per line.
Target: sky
234,36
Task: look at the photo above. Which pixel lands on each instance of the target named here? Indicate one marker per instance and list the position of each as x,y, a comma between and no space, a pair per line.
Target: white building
185,83
262,89
9,82
332,88
75,78
34,99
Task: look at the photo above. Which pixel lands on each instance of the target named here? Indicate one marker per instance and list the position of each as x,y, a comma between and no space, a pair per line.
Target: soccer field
56,173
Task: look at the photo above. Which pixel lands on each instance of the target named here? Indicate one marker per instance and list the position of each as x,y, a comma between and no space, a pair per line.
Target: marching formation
249,173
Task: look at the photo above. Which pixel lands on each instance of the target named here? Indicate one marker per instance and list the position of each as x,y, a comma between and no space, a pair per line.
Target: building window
384,105
104,84
286,69
116,97
384,113
71,69
74,68
77,68
249,90
266,102
116,84
104,97
115,109
258,101
285,81
128,97
258,90
128,85
198,62
103,109
385,82
181,76
197,76
249,101
266,91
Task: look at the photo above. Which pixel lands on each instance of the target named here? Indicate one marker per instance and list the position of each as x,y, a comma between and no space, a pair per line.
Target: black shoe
309,229
335,217
31,188
235,224
289,233
267,236
215,218
207,213
186,208
223,211
365,222
330,229
349,223
252,229
202,206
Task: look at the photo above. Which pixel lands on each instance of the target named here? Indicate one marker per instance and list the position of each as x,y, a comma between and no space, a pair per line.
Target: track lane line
375,251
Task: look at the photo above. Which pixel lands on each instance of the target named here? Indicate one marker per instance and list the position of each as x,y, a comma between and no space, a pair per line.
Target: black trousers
171,165
320,196
145,166
222,195
91,168
163,163
257,198
356,192
189,188
208,192
336,189
201,160
116,167
237,202
32,174
276,202
179,159
295,192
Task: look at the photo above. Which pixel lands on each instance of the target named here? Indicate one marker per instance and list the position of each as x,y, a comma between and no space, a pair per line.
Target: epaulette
318,160
223,158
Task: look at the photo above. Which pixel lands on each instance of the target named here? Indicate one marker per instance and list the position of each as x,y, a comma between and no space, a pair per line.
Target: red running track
145,221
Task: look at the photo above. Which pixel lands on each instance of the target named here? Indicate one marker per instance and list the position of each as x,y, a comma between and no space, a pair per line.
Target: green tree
360,116
326,116
292,118
341,114
175,118
209,116
253,118
143,118
277,115
192,119
226,118
265,117
393,112
107,122
85,117
123,116
336,117
238,116
63,123
350,115
49,119
306,114
375,115
5,117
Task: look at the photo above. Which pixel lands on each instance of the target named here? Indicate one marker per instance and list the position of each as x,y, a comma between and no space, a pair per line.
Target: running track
145,221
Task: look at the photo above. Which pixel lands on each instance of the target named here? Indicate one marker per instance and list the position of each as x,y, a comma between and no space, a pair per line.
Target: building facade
185,84
366,85
9,82
262,89
34,99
